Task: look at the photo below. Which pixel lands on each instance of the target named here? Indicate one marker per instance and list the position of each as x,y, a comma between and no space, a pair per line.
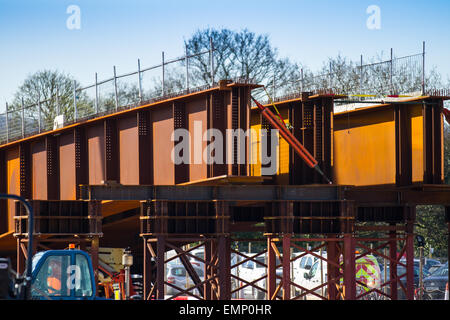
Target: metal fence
124,91
393,77
396,76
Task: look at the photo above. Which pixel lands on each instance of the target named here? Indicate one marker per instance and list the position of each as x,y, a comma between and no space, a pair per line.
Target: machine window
80,277
51,279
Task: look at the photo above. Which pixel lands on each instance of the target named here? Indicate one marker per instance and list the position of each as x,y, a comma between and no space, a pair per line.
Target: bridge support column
447,219
349,267
148,268
160,266
224,276
286,266
333,253
271,269
393,263
410,213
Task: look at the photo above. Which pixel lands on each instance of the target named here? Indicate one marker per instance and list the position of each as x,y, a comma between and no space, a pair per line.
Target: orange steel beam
220,87
391,143
126,147
389,103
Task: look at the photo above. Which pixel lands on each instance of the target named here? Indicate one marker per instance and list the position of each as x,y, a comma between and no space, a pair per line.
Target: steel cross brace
248,258
395,261
311,291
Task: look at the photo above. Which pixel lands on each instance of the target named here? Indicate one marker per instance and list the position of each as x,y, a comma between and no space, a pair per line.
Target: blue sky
34,36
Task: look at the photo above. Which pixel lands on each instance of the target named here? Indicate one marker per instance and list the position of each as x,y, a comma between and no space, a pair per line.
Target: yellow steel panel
332,140
13,185
255,166
283,153
364,148
442,147
283,149
417,143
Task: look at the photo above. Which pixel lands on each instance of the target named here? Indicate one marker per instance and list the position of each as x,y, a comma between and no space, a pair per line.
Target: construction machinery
49,275
115,280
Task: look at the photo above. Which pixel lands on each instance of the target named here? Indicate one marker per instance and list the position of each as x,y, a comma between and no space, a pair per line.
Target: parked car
401,271
179,277
427,263
200,253
251,271
306,262
433,268
430,263
434,285
169,255
278,275
304,265
235,259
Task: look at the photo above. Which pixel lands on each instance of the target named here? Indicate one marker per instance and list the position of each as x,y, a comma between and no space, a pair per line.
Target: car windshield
441,272
433,269
314,269
200,254
199,272
401,271
429,263
179,272
261,260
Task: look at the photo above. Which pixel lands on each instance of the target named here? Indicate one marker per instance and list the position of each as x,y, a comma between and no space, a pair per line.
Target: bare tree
377,77
127,94
174,82
241,54
54,90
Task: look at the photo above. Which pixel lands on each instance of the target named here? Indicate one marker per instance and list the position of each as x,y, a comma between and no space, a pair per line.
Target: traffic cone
446,292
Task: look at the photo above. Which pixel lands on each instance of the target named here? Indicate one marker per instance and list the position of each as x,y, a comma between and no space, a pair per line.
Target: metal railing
395,76
145,85
124,91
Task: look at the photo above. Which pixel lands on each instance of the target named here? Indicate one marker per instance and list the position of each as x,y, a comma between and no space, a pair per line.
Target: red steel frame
343,250
216,282
243,283
399,245
341,283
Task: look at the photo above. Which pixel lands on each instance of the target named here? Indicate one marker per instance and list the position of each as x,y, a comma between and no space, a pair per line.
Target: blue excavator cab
50,275
62,275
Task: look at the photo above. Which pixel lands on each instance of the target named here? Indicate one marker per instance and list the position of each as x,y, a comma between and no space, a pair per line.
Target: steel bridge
110,181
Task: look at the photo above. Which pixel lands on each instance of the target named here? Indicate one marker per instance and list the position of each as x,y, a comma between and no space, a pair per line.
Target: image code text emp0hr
247,309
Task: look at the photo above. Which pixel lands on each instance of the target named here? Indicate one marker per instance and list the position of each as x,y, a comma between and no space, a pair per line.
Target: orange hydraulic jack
291,140
117,278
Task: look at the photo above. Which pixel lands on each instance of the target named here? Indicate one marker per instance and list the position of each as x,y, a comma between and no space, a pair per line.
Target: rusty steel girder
129,147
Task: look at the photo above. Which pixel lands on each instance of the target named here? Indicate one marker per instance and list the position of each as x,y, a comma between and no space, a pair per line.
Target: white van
304,264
